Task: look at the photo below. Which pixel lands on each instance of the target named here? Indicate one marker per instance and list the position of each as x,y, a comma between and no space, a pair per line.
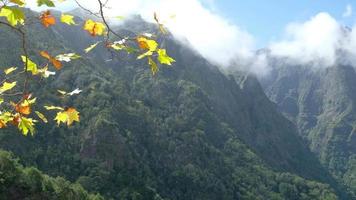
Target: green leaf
163,58
13,15
31,66
48,3
41,116
18,2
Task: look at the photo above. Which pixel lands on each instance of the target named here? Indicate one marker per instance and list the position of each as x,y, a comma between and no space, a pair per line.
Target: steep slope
188,133
321,102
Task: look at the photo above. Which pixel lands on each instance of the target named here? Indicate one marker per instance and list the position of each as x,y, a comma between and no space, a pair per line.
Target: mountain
320,101
189,132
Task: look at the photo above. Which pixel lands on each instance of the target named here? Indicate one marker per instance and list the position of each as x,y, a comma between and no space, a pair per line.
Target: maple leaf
26,125
31,66
163,58
94,28
7,86
69,116
68,19
47,19
145,43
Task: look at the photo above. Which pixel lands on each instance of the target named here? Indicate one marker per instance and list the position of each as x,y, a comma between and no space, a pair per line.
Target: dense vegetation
17,182
321,102
188,133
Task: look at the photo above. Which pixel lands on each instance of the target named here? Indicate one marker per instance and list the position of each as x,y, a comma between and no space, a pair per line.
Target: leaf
56,63
94,28
45,73
41,116
31,66
13,15
163,58
6,86
148,53
69,116
145,43
26,125
9,70
53,108
74,92
1,101
47,19
5,118
91,47
62,92
18,2
48,3
67,57
68,19
154,67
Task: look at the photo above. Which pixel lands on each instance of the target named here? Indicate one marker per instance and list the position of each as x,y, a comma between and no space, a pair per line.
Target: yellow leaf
163,58
68,19
53,108
91,47
7,86
61,117
94,28
145,43
26,125
9,70
31,66
154,67
73,116
41,116
13,15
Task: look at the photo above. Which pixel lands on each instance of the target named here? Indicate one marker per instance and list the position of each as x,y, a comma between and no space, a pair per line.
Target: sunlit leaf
41,116
10,70
47,19
67,57
56,63
18,2
67,19
94,28
91,47
53,108
148,44
26,125
163,58
13,15
31,66
6,86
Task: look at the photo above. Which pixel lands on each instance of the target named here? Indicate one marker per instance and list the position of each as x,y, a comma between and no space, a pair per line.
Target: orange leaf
2,124
94,28
56,63
47,19
25,110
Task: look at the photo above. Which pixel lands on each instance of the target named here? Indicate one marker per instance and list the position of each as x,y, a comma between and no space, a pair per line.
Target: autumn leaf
68,19
91,47
41,116
69,116
94,28
9,70
13,15
56,63
31,66
26,125
45,73
145,43
53,108
74,92
47,19
6,86
154,67
163,58
48,3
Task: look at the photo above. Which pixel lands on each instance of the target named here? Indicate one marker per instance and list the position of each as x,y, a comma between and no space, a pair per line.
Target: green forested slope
188,133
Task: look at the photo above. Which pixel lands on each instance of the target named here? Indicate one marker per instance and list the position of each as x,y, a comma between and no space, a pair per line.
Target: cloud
195,21
314,41
348,11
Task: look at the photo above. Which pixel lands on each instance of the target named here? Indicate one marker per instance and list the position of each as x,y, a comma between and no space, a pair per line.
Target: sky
226,31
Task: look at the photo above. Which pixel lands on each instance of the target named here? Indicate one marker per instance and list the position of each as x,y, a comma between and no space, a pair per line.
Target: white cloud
314,41
348,11
210,34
